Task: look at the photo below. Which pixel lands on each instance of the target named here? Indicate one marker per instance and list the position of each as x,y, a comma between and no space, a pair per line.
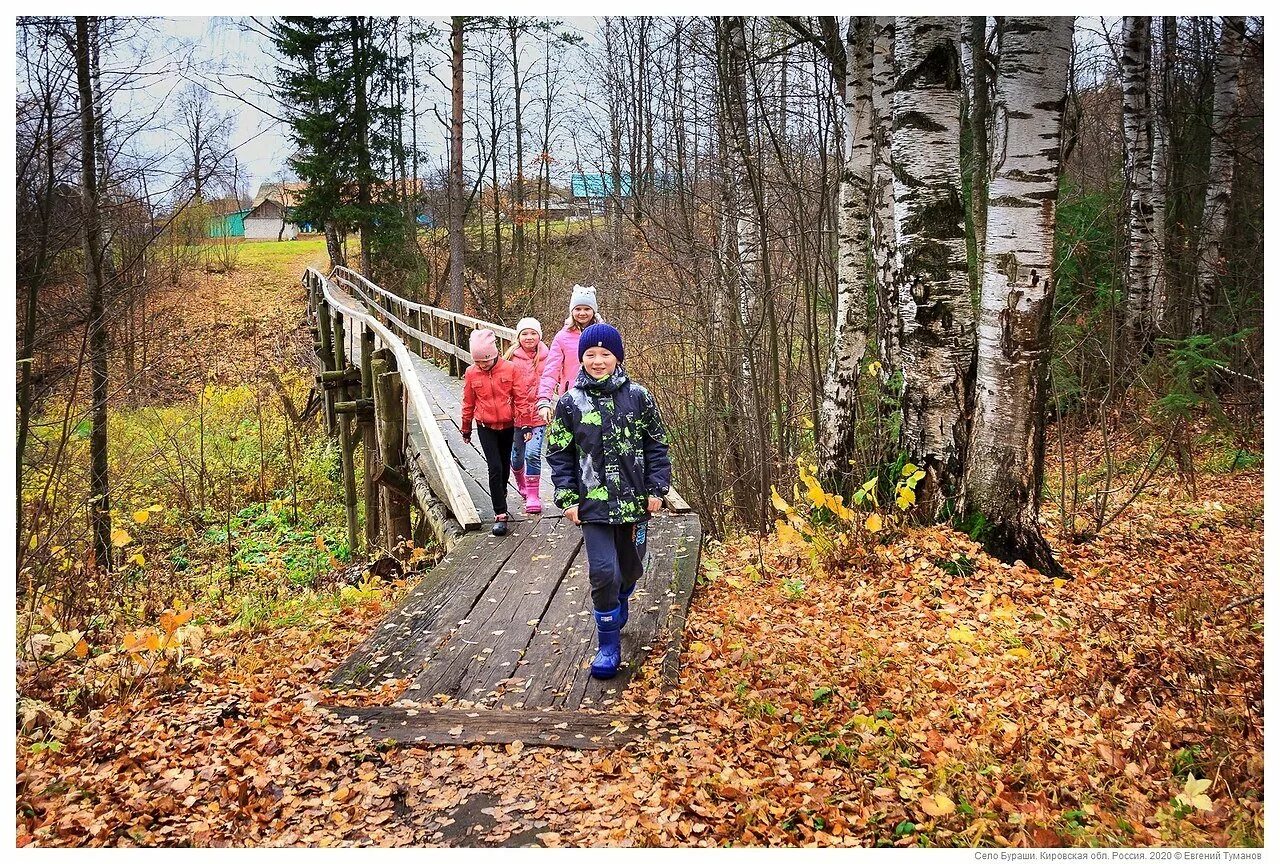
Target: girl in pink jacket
529,356
562,361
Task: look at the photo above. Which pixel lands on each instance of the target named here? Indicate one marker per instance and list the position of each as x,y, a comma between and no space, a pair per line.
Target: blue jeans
615,560
527,457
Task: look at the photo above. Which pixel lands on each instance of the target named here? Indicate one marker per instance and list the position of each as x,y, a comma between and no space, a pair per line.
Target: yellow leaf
874,367
1193,793
152,642
130,640
961,634
137,558
141,516
937,805
778,503
1058,583
909,469
908,494
156,508
120,537
82,649
1021,653
874,523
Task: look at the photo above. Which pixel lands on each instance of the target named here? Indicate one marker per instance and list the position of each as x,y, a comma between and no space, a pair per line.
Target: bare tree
1217,196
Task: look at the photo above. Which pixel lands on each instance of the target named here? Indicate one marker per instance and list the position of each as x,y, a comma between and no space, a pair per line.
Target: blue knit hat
604,336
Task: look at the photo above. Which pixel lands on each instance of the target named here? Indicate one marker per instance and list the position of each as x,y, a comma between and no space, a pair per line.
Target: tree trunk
1222,157
99,487
979,117
884,240
1161,141
1005,459
517,222
360,53
937,312
333,243
837,434
1135,64
457,212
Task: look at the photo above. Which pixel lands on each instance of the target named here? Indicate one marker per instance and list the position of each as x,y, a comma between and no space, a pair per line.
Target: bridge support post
326,364
388,400
369,441
345,446
417,322
455,367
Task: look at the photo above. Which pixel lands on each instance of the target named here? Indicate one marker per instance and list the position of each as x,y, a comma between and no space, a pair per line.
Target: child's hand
655,504
528,435
572,515
466,437
545,413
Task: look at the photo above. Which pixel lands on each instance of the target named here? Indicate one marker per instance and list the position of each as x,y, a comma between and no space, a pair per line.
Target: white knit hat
528,324
583,295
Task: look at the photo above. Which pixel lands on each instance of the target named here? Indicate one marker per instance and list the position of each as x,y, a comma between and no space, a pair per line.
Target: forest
955,325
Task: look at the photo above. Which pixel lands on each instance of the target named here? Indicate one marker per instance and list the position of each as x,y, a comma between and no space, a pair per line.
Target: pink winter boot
520,485
532,503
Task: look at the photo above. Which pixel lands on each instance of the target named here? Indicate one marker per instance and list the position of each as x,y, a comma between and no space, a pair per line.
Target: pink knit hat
484,345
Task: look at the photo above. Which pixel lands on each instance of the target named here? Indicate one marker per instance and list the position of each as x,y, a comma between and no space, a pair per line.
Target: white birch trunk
742,198
1161,136
1222,156
933,283
1135,65
1005,458
849,345
884,240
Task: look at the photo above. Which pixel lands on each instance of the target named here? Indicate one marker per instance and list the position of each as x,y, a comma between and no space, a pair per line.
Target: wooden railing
431,332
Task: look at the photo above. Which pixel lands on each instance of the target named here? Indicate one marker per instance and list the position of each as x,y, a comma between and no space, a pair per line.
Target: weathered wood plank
457,727
402,644
518,593
491,673
414,614
554,654
686,562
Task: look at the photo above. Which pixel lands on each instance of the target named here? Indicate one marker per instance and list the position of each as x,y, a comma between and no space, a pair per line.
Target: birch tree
840,390
1161,142
1222,155
1005,459
884,241
1135,67
933,285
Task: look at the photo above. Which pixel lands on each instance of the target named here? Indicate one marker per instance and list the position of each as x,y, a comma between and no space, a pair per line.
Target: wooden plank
425,638
504,666
402,644
414,613
553,657
650,607
458,727
498,627
686,563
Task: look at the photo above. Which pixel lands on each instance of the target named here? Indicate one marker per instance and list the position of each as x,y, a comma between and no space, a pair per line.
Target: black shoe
499,527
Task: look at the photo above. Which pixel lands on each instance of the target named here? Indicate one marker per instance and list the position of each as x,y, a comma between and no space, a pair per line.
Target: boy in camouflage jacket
607,450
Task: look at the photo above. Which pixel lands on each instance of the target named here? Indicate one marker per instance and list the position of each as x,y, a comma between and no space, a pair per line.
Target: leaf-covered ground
921,693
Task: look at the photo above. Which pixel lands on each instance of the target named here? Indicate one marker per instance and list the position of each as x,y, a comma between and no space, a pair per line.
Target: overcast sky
228,54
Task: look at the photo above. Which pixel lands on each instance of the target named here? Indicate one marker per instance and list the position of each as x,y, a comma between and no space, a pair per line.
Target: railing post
326,364
417,322
389,410
368,439
455,365
346,449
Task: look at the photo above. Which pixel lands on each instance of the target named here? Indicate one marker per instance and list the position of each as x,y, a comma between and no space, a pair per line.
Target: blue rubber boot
609,629
623,598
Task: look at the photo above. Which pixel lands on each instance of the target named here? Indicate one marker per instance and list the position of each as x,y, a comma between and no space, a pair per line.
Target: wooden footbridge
502,626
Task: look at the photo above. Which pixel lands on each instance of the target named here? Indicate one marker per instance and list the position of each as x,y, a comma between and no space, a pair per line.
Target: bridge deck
505,623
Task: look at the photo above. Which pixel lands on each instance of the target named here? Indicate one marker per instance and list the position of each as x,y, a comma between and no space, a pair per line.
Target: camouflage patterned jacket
607,449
